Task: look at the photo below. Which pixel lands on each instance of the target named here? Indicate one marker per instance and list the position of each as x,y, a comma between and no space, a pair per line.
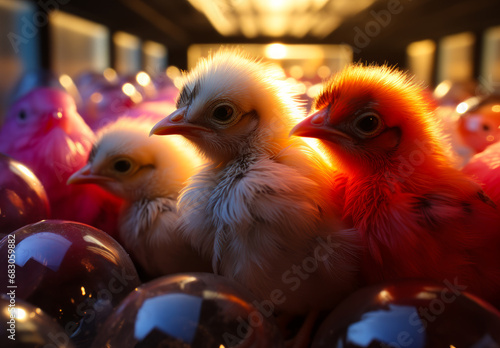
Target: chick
44,131
419,217
260,209
148,173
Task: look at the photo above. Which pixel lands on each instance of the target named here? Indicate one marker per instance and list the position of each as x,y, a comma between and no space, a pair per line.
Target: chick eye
368,124
22,115
223,114
122,166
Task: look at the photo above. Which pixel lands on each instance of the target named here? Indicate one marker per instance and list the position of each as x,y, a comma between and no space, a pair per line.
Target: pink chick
485,168
44,131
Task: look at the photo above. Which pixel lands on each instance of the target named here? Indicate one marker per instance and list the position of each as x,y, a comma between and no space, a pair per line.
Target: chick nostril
176,118
318,119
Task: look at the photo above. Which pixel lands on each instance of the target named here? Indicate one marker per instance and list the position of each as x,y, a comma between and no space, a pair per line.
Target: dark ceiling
177,24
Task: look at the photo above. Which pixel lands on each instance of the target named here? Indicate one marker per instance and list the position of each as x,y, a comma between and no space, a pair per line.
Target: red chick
44,131
417,215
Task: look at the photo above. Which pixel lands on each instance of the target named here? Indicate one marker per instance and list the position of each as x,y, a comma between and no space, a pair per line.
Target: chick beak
316,126
176,123
56,119
85,176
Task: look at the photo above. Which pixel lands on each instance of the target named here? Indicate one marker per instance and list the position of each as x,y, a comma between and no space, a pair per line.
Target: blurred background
455,42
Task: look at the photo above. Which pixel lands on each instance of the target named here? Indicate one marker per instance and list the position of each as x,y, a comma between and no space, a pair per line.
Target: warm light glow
296,72
214,11
65,81
173,72
276,51
421,59
128,89
185,281
273,24
421,48
69,86
248,26
88,41
426,295
301,88
143,78
18,167
126,40
96,97
277,18
314,90
442,89
456,57
490,67
315,144
110,74
385,295
462,107
277,5
127,49
93,240
83,291
324,71
20,313
495,108
178,82
154,49
311,57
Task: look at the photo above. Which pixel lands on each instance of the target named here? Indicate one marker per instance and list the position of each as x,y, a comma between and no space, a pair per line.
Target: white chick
260,210
148,173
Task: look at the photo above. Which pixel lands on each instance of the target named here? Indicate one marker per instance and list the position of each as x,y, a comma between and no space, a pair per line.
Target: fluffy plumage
418,216
44,131
148,173
259,208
